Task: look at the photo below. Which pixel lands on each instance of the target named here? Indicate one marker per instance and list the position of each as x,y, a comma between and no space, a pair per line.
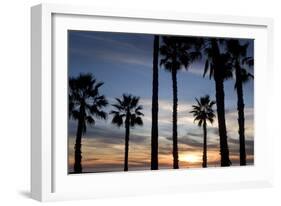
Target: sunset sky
124,63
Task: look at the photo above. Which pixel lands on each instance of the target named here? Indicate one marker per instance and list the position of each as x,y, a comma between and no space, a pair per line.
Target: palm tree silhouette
127,108
154,111
177,53
85,103
219,67
238,53
202,113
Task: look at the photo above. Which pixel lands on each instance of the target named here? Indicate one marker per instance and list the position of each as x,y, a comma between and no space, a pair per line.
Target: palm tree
202,113
154,112
219,67
177,53
85,103
127,109
238,54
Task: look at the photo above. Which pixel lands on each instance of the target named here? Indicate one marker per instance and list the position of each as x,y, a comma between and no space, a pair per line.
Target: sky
124,63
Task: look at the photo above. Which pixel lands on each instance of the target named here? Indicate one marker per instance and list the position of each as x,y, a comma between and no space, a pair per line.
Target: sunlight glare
190,158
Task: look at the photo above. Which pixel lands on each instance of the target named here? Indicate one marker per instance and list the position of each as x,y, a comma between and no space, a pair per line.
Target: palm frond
206,67
212,70
90,120
74,114
117,119
127,107
84,99
203,111
179,52
248,61
119,107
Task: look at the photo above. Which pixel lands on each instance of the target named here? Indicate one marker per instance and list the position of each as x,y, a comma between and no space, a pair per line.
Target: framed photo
138,102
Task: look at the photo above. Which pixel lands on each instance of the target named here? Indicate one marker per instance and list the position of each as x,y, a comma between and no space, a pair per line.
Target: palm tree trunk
241,119
205,145
127,127
224,152
77,147
154,127
219,82
175,108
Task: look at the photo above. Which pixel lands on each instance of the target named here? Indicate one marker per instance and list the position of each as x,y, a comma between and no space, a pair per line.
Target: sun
191,158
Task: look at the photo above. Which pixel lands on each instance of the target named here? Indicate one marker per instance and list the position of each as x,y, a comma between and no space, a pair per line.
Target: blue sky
124,63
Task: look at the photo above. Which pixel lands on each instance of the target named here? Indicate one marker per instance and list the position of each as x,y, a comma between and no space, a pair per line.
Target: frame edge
39,191
36,117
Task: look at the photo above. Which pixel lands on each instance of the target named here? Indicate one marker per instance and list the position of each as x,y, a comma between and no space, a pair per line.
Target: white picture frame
49,178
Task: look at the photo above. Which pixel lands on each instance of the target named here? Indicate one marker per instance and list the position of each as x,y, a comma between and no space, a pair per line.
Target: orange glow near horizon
190,158
99,159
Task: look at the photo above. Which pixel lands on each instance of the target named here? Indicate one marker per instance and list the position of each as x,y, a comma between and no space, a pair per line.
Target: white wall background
15,102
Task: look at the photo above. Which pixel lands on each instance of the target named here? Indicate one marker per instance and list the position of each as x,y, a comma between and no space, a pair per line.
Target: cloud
104,143
111,135
108,41
120,51
111,50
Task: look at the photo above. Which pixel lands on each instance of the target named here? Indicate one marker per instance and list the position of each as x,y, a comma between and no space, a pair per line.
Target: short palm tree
176,53
238,53
127,112
202,113
85,103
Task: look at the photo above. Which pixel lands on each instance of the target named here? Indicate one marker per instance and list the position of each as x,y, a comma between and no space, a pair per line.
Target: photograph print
152,102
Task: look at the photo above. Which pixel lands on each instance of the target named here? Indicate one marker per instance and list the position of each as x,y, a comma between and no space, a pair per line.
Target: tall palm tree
219,67
85,103
154,111
128,112
177,53
202,113
238,53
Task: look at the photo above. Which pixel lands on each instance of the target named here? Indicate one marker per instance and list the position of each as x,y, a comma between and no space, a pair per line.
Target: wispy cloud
104,143
122,52
109,41
112,50
124,63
